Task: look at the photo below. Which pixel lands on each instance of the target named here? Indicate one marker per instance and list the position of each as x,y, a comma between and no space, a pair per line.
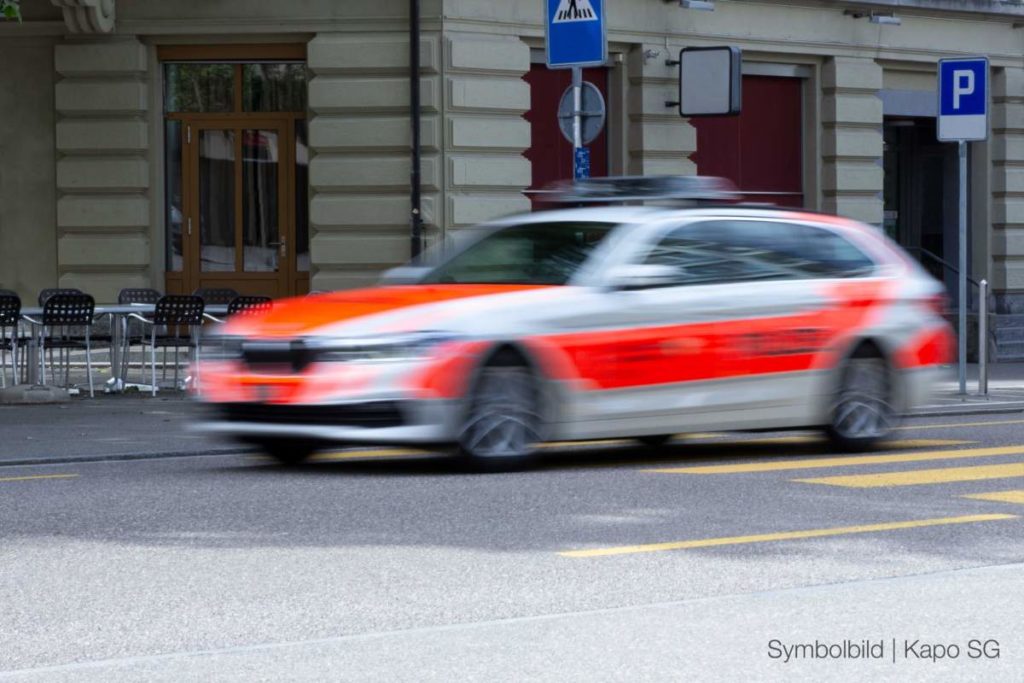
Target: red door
761,150
550,154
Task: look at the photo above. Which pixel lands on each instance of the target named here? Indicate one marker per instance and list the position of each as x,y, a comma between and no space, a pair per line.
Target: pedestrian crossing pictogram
574,10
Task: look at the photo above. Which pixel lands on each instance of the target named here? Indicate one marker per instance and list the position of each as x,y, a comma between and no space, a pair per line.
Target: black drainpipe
416,220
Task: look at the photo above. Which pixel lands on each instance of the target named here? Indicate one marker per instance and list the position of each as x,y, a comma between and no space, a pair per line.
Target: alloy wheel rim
862,410
503,420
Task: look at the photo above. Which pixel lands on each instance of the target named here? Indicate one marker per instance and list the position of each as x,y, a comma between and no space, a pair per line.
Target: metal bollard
983,338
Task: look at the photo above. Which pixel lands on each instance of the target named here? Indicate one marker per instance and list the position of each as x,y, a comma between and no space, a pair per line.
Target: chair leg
152,358
42,354
88,361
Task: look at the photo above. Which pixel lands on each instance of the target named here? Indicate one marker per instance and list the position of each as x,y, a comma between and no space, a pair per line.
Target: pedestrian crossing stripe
574,10
945,475
1000,496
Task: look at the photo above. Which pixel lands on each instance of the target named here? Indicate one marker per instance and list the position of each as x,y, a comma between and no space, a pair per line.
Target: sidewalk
1005,392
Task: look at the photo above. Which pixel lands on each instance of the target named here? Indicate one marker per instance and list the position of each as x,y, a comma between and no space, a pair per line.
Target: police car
650,307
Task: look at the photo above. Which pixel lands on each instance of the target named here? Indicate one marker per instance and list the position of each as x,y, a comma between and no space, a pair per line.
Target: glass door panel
261,207
217,200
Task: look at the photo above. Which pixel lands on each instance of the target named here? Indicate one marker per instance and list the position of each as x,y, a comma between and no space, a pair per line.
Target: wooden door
237,189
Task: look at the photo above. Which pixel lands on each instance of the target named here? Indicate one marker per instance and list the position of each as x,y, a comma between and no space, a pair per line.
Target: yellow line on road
782,536
990,423
359,455
1001,496
920,477
842,461
39,476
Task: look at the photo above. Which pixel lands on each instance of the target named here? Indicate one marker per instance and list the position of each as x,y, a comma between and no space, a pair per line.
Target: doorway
236,169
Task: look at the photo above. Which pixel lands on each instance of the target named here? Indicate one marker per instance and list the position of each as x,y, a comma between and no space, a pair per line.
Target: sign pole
962,284
577,107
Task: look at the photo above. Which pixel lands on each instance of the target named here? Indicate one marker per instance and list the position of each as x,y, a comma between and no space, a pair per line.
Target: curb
968,409
160,455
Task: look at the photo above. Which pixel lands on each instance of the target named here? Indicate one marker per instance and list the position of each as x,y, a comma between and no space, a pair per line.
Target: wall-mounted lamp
706,5
888,19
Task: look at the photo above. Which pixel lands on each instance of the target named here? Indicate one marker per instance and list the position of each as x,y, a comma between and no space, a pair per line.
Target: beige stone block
101,135
378,133
858,208
1008,115
100,96
332,211
475,171
1008,147
478,132
104,286
503,94
100,58
864,109
898,79
353,94
852,73
852,142
853,177
649,100
330,278
103,211
359,248
361,173
1008,274
1007,211
472,209
673,135
1007,179
1008,242
102,174
676,165
1008,81
492,54
369,53
95,251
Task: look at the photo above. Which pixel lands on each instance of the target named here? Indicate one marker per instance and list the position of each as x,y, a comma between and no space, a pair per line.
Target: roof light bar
644,188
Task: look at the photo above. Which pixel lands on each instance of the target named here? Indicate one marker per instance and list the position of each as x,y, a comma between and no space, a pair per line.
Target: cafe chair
182,316
64,313
10,316
45,294
249,305
128,296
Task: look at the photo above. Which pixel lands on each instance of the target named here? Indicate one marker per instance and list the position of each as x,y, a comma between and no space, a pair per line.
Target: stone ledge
25,394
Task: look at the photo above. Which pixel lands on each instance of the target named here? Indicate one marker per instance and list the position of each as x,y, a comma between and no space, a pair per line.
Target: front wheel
862,413
501,430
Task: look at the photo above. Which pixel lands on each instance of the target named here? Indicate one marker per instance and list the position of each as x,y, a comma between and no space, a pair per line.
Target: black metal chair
45,294
182,315
132,295
10,316
214,296
249,305
63,312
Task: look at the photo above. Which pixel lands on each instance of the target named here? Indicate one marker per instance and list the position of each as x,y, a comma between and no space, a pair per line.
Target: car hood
392,309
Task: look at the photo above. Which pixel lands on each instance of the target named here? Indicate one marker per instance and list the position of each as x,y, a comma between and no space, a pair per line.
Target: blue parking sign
575,33
963,99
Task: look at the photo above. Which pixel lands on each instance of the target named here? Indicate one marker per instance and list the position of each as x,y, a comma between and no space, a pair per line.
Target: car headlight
404,347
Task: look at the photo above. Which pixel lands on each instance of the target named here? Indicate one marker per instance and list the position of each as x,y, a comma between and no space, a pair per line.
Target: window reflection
301,198
173,212
217,200
199,87
260,228
274,87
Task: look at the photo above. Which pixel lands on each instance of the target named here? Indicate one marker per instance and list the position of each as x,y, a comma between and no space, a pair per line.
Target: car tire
655,440
862,412
501,429
289,452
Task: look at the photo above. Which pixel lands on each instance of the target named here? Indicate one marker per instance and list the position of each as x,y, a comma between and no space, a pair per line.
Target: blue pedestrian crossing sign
963,99
581,163
575,33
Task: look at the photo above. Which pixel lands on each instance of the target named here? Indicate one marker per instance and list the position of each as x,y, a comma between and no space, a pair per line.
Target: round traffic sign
592,113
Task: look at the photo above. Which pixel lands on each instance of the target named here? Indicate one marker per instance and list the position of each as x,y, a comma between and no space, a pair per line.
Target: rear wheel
862,412
502,426
286,451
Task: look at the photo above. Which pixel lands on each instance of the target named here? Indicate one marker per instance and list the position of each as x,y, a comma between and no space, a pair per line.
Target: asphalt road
707,560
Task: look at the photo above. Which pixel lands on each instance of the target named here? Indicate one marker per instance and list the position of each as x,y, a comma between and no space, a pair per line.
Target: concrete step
1009,351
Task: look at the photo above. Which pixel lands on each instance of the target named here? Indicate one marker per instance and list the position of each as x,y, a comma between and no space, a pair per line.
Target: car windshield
534,253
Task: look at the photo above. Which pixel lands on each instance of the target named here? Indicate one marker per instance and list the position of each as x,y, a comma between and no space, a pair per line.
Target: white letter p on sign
963,84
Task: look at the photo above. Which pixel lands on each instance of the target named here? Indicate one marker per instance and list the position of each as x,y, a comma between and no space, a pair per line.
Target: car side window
749,250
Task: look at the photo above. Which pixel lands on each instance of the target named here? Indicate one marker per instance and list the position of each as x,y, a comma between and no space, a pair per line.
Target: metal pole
415,219
983,337
962,284
577,106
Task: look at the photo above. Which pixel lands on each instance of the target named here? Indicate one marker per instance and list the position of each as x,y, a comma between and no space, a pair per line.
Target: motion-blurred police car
595,322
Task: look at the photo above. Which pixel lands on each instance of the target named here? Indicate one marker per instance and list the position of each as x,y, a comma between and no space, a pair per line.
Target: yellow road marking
782,536
358,455
842,461
959,424
919,477
39,476
1001,496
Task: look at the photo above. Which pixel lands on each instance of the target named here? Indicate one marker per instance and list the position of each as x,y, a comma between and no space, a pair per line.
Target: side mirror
642,276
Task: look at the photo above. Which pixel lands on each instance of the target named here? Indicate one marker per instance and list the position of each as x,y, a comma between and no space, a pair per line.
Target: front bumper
369,422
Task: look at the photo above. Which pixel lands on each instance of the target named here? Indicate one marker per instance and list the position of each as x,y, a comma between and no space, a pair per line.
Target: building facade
266,145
